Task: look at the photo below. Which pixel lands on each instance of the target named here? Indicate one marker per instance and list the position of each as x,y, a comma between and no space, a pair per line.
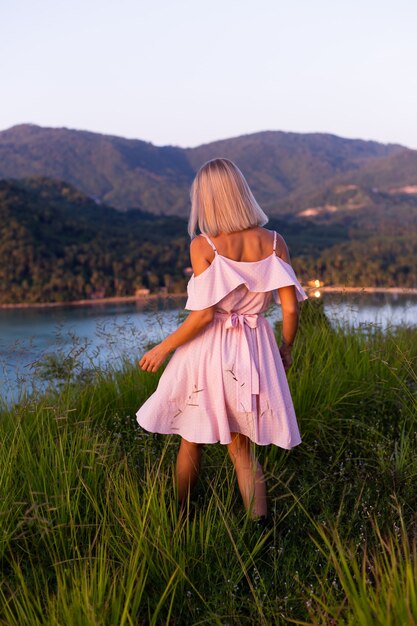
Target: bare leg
188,466
249,474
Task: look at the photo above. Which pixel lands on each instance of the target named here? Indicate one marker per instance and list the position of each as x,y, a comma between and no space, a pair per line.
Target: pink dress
230,377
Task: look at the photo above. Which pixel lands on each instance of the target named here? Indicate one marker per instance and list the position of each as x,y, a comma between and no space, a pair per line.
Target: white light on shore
317,294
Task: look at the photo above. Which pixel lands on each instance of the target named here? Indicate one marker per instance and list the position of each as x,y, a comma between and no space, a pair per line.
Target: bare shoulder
199,246
282,248
201,254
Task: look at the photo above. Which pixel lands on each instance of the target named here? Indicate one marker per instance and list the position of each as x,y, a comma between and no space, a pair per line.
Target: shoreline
402,290
95,302
181,296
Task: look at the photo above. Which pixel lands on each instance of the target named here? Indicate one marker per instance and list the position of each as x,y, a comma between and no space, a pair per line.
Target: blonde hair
221,200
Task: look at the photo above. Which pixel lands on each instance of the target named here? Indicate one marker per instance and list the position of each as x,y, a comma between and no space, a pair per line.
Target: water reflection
379,309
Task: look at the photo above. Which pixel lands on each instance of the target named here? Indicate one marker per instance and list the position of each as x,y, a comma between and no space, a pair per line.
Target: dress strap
210,242
275,241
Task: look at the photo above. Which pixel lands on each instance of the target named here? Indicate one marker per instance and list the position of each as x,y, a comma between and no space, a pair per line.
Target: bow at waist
243,369
234,320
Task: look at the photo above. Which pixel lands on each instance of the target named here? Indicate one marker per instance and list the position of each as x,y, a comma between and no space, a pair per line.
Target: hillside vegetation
282,168
347,208
58,245
380,248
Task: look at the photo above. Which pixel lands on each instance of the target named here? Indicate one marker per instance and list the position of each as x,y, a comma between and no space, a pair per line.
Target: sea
36,341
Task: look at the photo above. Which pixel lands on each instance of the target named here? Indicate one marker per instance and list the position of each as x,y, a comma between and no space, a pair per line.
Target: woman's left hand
154,358
285,352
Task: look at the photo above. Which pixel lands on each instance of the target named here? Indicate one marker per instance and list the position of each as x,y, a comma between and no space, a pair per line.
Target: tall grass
90,532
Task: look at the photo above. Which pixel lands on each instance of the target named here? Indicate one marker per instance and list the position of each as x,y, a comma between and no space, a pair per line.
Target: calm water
102,335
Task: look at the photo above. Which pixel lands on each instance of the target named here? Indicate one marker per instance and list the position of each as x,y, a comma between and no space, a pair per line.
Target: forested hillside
121,172
283,169
56,244
380,248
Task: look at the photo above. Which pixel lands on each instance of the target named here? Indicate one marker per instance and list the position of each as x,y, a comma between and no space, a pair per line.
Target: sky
187,72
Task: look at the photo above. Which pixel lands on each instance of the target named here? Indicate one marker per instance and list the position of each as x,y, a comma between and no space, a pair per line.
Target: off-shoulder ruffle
224,275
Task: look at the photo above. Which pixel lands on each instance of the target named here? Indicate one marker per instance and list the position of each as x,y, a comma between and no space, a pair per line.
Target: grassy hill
90,528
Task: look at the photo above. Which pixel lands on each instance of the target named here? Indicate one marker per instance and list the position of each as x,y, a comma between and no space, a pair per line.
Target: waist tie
243,370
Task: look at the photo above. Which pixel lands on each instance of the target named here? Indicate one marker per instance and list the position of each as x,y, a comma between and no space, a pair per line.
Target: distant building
315,282
142,292
188,271
407,189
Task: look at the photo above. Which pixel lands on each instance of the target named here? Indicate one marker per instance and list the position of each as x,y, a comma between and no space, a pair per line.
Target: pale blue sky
186,72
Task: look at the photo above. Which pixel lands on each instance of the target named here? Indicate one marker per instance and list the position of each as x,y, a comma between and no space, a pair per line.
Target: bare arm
290,315
289,323
195,322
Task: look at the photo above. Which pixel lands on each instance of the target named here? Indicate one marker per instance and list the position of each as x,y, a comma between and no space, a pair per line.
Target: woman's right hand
154,358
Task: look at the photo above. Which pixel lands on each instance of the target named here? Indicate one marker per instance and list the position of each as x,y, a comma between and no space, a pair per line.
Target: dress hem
223,443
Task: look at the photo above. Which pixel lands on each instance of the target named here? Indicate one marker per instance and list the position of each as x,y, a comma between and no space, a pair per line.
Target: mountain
380,227
283,169
121,172
354,203
394,176
84,215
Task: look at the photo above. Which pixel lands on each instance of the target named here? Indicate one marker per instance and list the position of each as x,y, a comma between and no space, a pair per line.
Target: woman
226,381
